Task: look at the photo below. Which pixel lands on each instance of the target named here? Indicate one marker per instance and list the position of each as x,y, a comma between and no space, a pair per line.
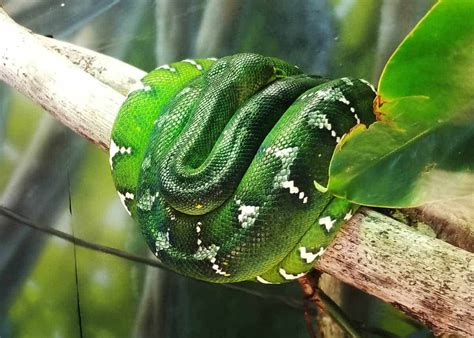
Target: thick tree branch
75,98
117,74
428,278
452,221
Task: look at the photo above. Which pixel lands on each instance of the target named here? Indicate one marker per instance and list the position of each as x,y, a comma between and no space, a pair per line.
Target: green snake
223,164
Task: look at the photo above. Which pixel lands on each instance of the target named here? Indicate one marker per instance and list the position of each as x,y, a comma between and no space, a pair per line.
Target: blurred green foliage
425,128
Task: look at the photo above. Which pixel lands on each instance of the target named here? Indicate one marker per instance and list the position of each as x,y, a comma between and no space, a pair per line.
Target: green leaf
421,148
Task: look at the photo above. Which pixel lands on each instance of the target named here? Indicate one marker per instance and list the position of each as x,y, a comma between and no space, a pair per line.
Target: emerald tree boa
223,164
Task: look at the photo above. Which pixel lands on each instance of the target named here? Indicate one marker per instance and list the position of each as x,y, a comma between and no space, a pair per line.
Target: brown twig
314,295
309,286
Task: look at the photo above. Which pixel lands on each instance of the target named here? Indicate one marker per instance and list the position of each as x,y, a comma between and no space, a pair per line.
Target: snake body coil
217,161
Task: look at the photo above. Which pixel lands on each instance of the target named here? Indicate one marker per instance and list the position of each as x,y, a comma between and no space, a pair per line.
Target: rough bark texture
429,279
119,75
452,221
75,98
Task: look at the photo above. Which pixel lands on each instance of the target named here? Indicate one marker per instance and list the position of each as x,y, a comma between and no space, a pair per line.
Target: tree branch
452,221
75,98
117,74
428,278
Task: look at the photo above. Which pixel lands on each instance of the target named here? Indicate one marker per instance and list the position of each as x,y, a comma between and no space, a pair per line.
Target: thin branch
12,215
313,294
80,242
336,313
427,278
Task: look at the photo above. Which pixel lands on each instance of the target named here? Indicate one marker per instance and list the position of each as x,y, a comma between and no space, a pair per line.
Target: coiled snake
223,164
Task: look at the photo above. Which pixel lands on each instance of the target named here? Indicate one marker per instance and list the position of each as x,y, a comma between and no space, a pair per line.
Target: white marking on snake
305,200
210,253
194,63
123,197
169,211
183,91
282,178
146,201
309,256
290,185
330,94
203,253
325,94
318,120
262,280
338,139
327,222
357,118
347,81
348,216
369,84
219,271
289,276
352,109
167,67
247,216
146,164
116,149
198,230
343,99
162,241
139,86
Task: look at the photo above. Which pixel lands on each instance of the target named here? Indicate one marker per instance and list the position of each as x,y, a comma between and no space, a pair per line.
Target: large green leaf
421,148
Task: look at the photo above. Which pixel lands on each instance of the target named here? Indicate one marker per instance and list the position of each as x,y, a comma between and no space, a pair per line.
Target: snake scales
223,164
